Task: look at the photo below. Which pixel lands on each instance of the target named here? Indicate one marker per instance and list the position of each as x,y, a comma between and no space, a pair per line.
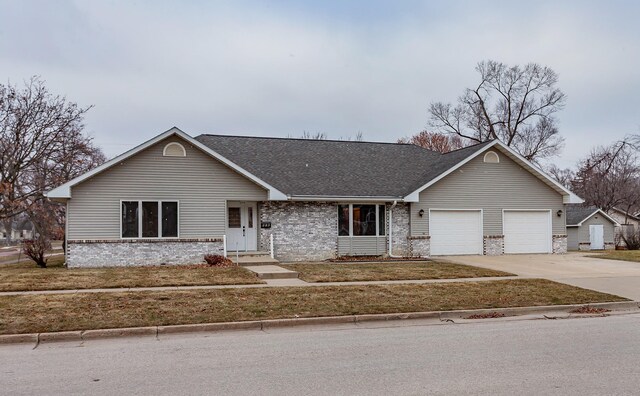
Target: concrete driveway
621,278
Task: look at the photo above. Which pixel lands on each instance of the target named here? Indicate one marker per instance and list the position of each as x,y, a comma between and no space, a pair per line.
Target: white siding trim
64,191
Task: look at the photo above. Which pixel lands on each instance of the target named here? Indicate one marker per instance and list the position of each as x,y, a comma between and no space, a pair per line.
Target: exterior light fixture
559,213
421,212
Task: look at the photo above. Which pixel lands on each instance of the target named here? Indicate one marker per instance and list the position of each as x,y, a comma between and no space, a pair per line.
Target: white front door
596,236
242,232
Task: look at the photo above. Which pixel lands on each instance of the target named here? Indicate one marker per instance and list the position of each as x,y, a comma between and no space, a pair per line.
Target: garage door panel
527,231
455,232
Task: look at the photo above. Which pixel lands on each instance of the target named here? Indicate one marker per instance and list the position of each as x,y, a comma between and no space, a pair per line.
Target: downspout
391,230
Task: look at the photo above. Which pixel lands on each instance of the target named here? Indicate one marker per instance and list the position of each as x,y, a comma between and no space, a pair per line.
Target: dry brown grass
82,311
624,255
24,277
389,271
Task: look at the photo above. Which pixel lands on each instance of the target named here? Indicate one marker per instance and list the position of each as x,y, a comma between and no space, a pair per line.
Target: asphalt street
592,356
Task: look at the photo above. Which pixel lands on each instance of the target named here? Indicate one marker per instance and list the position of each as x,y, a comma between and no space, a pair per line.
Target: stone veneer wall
140,252
420,246
560,244
401,229
493,245
302,231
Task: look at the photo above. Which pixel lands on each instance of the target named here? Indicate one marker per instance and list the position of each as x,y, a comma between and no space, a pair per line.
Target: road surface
594,356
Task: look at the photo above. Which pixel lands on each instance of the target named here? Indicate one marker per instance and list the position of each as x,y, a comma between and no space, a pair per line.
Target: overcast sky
279,68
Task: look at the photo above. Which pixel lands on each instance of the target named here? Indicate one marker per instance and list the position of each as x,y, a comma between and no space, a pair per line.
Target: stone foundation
401,230
493,245
609,246
420,246
584,246
302,231
132,253
559,245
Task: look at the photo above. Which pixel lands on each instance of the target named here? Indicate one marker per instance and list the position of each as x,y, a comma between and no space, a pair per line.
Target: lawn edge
437,316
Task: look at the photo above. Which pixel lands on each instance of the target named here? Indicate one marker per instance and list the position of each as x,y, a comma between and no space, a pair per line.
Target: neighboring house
589,228
628,224
21,229
175,198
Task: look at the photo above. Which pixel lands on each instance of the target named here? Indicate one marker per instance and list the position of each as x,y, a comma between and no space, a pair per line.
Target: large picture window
149,219
361,220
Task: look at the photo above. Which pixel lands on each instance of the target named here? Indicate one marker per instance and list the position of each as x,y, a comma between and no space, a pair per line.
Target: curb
441,316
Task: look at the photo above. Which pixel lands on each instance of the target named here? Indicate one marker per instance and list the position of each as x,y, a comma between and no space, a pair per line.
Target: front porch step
271,272
255,253
254,260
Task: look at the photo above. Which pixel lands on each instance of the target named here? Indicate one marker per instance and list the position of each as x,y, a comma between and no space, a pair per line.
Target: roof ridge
473,145
307,140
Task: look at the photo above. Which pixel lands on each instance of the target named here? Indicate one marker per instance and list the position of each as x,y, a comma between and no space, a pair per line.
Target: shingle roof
577,213
304,167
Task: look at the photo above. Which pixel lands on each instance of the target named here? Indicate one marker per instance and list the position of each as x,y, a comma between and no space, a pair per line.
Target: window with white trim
361,220
149,219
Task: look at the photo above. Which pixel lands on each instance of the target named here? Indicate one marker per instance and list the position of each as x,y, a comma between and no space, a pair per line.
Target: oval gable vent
491,157
174,149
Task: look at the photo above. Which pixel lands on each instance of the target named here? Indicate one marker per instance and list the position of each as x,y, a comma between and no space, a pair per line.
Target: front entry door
596,236
241,226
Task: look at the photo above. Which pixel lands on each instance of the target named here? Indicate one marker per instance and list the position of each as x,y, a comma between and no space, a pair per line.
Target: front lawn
23,277
624,255
352,272
83,311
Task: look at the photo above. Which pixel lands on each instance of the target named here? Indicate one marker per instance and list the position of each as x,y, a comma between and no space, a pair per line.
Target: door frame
251,243
600,227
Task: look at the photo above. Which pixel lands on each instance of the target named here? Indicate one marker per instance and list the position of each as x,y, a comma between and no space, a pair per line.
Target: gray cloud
281,68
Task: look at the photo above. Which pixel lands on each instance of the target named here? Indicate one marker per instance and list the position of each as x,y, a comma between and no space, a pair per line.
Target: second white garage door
527,231
455,232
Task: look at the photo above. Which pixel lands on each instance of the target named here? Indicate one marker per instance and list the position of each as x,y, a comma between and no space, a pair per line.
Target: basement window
149,219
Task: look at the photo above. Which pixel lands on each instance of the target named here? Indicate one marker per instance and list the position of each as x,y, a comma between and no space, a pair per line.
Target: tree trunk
7,223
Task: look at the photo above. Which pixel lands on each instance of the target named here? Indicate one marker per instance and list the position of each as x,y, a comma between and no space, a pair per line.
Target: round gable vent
174,149
491,157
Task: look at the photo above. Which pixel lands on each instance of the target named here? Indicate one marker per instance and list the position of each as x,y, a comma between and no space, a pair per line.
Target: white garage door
527,231
455,232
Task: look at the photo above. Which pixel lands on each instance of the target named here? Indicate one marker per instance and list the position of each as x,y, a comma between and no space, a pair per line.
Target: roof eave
63,191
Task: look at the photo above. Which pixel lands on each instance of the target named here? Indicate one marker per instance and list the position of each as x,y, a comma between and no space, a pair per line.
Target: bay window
149,219
361,220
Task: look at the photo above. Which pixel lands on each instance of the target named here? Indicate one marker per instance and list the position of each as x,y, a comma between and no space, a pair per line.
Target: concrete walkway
269,283
621,278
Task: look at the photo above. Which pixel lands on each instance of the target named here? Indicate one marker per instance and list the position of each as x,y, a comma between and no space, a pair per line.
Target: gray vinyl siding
491,187
201,184
572,238
597,219
362,245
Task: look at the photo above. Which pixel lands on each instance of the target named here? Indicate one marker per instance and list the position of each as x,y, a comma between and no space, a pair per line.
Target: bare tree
41,146
511,103
442,143
610,176
563,176
313,136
